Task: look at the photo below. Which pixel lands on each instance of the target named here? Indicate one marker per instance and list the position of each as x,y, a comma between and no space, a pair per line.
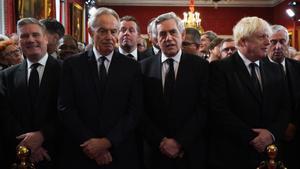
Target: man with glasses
227,47
191,42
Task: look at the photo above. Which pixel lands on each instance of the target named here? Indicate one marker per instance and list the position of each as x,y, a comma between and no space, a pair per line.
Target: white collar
42,61
176,57
98,55
246,60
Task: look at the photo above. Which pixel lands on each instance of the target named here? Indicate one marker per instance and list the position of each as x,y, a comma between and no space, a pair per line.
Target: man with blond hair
249,108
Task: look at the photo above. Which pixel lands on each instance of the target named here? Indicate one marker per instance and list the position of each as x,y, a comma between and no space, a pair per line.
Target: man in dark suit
154,49
128,37
175,88
249,102
29,108
278,53
100,101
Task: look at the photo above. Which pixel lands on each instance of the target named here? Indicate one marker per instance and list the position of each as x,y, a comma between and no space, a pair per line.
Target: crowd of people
190,100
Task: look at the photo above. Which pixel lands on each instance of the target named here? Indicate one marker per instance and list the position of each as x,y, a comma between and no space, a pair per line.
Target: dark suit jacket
149,52
291,148
236,109
85,115
16,115
186,121
140,56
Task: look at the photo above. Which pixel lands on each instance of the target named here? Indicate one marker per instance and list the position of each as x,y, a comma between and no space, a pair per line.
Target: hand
262,140
290,132
39,155
94,146
170,147
104,158
32,140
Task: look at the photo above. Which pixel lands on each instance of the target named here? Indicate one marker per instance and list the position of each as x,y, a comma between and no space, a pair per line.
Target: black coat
236,109
16,114
186,121
85,115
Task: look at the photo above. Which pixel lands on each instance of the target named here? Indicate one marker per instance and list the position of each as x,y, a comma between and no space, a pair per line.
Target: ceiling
207,3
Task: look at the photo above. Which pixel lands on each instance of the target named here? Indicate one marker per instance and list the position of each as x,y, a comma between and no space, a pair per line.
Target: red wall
220,20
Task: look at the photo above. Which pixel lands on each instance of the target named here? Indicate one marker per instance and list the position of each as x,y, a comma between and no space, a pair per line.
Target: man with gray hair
29,108
154,49
249,109
206,38
175,88
99,102
278,53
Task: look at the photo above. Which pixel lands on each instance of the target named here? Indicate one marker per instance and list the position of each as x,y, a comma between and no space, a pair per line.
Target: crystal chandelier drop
192,19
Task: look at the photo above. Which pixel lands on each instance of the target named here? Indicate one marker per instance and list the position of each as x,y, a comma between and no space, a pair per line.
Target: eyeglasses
229,48
16,52
185,43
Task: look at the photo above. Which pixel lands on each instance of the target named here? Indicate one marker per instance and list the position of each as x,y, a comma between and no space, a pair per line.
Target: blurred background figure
55,31
67,46
297,56
206,38
10,53
141,44
151,31
227,47
292,52
191,42
81,46
214,50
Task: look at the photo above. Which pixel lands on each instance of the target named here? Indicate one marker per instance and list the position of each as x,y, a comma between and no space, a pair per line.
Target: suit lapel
245,76
93,71
20,81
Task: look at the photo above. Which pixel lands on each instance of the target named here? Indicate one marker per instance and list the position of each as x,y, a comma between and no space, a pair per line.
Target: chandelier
192,19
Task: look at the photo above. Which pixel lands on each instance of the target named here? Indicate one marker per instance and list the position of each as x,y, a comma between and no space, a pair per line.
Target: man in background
128,36
67,46
227,48
55,31
154,49
191,43
278,53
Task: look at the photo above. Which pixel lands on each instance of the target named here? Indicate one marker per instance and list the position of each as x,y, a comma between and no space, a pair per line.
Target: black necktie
169,81
102,73
281,68
130,56
255,79
33,83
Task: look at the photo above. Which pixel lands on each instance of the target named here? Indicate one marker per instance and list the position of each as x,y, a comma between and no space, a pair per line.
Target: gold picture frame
39,9
77,22
291,38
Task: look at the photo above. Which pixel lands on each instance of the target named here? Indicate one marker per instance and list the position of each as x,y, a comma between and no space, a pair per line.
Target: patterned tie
33,83
254,79
169,81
